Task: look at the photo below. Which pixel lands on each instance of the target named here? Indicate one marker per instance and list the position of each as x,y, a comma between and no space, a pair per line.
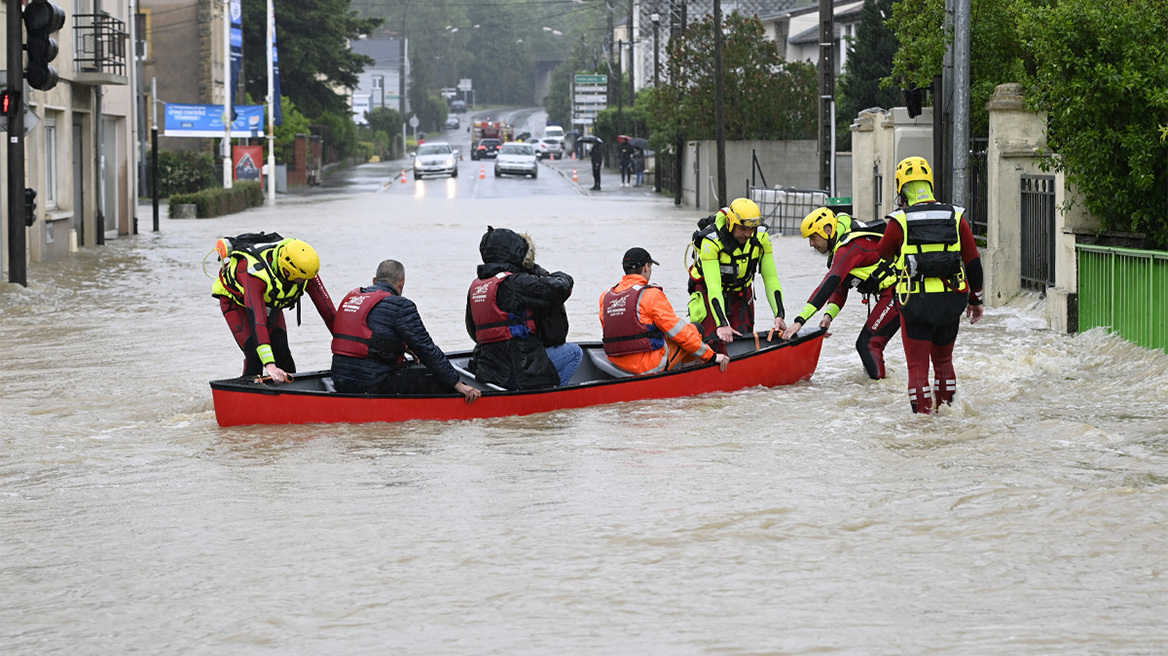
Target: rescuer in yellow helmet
728,252
938,276
852,261
262,274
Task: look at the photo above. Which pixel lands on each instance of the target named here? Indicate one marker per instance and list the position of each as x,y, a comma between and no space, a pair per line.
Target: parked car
488,148
452,122
436,158
516,158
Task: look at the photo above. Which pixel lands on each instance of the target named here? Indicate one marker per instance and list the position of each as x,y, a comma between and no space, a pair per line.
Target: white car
516,158
547,148
435,159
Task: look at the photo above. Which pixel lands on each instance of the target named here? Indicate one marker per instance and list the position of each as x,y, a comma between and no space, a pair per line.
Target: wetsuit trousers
739,307
243,330
930,323
883,322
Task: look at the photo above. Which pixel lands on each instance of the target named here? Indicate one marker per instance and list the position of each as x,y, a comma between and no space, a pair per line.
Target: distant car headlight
449,161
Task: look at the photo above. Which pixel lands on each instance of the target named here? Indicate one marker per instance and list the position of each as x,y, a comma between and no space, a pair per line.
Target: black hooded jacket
521,363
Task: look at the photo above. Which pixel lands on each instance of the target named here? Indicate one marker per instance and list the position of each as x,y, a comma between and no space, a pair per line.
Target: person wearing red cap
642,333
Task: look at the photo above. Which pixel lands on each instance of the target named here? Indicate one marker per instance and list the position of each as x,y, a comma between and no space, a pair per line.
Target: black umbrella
589,138
638,142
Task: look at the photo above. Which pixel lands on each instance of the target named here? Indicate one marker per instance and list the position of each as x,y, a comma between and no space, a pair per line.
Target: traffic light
41,20
29,206
9,102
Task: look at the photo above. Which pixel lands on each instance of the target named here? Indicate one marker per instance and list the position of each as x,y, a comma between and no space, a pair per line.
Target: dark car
488,148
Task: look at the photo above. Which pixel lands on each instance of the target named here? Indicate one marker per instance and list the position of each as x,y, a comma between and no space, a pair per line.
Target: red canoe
310,399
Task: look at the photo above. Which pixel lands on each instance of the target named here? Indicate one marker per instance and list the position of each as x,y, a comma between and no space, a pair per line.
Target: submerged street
1026,519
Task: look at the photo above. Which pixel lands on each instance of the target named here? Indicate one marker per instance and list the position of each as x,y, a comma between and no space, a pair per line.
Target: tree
315,59
869,62
765,97
997,55
1101,77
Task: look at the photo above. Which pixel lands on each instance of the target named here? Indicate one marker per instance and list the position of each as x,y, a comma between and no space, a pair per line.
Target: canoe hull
240,402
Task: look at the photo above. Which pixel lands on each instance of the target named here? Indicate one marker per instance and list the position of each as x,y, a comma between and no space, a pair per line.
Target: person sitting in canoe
515,314
642,334
374,327
262,275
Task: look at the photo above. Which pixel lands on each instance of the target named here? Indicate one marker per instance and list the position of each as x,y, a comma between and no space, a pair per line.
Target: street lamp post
656,18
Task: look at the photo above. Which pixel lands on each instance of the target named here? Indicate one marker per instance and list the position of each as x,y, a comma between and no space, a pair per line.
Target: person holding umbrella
626,160
597,158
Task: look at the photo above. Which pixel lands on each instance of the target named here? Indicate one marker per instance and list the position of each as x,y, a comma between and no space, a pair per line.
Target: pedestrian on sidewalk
626,163
597,161
639,166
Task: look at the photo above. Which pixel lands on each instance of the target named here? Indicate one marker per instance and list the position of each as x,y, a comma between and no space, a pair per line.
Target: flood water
824,517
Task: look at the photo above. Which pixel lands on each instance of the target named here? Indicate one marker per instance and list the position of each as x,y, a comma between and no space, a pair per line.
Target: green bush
185,172
216,201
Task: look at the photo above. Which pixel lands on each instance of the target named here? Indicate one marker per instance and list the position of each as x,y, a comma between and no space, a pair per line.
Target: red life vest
491,323
623,331
351,333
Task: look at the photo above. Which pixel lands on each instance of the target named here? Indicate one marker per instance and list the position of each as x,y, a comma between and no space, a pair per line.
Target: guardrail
1126,290
783,208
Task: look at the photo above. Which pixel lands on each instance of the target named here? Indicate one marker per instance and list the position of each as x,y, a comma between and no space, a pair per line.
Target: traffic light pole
17,271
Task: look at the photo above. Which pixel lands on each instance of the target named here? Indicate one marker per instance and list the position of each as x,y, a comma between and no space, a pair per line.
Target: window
50,191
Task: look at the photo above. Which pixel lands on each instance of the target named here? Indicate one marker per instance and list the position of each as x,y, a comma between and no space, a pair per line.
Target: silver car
516,158
435,159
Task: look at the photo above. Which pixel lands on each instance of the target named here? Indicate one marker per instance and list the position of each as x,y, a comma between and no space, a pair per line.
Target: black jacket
521,363
394,321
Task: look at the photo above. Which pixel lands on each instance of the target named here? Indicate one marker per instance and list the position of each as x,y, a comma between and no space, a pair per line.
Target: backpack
252,243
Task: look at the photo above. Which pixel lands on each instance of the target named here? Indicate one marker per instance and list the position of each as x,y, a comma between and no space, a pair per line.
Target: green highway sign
591,79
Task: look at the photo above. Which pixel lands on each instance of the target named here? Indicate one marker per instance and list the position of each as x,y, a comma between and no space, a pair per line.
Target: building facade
80,153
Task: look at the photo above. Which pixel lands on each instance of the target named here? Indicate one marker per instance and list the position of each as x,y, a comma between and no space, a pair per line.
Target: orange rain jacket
655,309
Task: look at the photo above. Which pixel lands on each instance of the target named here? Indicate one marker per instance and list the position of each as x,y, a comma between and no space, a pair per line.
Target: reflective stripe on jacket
930,251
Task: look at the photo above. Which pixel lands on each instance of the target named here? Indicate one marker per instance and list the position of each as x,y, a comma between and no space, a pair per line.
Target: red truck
489,130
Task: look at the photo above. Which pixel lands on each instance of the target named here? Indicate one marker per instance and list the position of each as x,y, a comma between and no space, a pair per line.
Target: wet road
823,517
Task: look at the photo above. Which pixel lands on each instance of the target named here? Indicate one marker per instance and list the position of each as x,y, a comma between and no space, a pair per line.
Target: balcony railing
99,49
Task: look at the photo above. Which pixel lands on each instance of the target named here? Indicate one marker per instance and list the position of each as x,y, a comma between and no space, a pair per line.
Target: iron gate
1038,208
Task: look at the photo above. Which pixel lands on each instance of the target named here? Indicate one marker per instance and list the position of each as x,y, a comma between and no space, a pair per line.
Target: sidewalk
610,184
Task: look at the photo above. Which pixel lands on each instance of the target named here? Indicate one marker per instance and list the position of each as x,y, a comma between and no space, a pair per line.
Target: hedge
217,201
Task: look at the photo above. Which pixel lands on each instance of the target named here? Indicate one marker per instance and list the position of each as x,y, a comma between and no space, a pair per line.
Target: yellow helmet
743,212
911,169
818,222
297,260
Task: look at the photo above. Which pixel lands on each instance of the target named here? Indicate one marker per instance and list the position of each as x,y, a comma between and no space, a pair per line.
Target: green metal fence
1125,290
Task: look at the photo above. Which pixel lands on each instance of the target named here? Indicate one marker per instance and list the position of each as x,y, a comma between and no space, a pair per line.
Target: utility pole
632,56
961,50
270,40
154,147
677,22
227,104
656,51
719,104
826,93
17,271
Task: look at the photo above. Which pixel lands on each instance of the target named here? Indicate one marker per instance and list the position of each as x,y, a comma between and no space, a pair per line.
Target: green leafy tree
997,52
869,62
294,123
1101,77
315,59
765,97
